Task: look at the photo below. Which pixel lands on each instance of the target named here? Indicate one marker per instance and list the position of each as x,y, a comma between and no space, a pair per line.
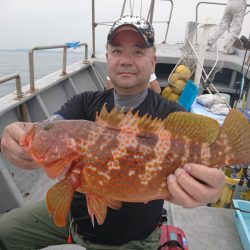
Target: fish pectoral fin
54,168
114,204
97,207
58,201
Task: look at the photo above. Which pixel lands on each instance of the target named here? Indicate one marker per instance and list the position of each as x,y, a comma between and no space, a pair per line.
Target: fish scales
124,157
125,165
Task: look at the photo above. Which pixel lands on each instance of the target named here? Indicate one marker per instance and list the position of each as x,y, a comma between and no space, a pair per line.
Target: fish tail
58,201
235,138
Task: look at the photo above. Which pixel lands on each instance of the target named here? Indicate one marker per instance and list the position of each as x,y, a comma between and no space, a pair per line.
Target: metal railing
19,94
151,16
149,19
64,47
17,77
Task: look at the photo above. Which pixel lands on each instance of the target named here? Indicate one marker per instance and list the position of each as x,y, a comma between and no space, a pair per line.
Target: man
232,21
130,62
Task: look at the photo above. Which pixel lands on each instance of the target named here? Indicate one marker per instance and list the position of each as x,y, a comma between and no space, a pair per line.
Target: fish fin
54,169
114,204
97,208
58,201
235,136
128,122
109,119
196,127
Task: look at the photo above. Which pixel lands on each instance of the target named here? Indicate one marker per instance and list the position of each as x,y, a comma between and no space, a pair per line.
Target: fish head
38,140
51,146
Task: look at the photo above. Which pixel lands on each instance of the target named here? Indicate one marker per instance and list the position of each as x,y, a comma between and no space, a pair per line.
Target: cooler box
199,109
242,222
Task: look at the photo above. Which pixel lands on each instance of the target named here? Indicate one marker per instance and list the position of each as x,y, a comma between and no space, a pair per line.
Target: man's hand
11,149
195,185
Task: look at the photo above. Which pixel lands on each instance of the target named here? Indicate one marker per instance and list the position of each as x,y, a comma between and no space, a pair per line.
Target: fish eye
48,126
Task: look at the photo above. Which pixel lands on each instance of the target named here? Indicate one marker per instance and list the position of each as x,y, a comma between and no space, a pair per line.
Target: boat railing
64,65
17,77
149,18
19,94
151,15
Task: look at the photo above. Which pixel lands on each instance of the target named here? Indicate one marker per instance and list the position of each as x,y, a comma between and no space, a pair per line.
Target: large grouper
122,157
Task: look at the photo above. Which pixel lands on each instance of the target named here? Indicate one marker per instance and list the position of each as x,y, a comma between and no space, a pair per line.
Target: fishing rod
242,93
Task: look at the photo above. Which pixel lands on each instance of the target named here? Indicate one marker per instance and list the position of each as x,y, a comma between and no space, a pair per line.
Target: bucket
188,95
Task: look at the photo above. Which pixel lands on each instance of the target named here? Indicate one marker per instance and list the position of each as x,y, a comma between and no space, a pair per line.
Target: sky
27,23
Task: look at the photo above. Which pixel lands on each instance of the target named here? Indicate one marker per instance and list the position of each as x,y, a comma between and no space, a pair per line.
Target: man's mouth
126,74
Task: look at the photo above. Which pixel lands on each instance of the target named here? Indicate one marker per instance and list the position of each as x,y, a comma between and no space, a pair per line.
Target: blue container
188,95
242,222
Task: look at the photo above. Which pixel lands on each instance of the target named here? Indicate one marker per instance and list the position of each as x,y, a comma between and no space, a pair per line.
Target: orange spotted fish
124,157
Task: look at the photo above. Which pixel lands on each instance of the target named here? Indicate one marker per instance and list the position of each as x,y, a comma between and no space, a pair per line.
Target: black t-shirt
134,221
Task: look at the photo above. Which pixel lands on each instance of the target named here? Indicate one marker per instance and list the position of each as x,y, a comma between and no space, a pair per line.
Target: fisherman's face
130,62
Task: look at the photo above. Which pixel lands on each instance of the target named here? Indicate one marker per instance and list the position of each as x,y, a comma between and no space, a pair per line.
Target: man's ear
106,55
153,64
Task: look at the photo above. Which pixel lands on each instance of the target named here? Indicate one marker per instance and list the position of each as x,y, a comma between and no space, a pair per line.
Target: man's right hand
11,149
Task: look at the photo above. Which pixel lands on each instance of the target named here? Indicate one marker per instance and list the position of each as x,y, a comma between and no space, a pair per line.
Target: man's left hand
195,185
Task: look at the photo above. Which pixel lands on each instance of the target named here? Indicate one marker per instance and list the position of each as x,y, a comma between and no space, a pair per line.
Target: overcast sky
27,23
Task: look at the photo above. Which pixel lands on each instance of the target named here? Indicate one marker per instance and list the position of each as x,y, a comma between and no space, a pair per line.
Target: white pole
202,52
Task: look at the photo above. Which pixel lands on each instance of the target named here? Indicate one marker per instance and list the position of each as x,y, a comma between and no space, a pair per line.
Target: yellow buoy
174,77
178,86
167,91
173,97
184,72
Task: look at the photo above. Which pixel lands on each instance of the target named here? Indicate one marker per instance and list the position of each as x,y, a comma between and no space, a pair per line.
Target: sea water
16,61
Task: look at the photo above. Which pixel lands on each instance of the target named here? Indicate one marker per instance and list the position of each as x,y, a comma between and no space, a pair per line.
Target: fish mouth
26,140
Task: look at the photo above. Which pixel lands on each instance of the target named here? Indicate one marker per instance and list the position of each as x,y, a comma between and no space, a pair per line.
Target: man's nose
126,59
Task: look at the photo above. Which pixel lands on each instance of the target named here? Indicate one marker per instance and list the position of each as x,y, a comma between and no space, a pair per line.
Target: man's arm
195,185
155,86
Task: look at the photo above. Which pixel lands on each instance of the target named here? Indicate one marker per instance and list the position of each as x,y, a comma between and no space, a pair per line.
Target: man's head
143,27
130,54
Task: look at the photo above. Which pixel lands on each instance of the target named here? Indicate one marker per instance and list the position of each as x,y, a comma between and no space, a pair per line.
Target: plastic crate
188,95
242,222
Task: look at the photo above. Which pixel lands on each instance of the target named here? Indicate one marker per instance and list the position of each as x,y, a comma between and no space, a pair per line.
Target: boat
39,99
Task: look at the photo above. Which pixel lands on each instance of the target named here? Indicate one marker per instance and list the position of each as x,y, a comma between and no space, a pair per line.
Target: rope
132,8
141,8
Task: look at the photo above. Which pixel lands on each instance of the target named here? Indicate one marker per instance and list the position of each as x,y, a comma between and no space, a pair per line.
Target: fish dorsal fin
128,122
196,127
109,119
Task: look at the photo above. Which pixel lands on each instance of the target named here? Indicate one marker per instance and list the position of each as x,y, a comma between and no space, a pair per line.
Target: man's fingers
178,194
211,176
198,190
195,185
11,149
21,162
